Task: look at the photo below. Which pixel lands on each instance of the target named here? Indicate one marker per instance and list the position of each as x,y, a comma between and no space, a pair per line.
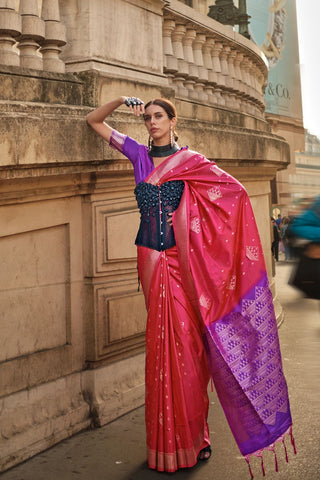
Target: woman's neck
163,150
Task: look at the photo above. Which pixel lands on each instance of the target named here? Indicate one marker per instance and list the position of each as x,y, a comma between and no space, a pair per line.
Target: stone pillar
219,78
244,65
241,86
193,74
10,29
261,83
237,72
224,65
32,33
55,37
207,61
227,80
170,62
183,68
203,72
235,90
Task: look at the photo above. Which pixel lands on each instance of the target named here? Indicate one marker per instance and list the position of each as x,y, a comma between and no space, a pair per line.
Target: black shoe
205,453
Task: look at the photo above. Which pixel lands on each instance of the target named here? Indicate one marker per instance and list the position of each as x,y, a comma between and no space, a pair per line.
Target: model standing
210,310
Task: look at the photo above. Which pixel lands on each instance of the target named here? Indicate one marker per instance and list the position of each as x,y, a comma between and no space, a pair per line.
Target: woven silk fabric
222,272
177,372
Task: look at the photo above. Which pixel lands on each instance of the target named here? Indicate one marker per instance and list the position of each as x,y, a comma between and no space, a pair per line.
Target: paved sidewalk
117,451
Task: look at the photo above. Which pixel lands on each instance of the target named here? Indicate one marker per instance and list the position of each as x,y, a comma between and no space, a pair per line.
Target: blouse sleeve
125,145
117,140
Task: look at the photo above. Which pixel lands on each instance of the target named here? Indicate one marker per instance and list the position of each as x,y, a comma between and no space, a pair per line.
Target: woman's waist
155,232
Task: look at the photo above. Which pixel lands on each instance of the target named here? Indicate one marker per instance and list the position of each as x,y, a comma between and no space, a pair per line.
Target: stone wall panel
41,292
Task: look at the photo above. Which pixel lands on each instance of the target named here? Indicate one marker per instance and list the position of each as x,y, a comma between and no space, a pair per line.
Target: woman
210,310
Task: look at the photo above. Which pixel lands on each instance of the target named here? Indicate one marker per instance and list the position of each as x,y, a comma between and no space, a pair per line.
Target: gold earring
149,142
171,137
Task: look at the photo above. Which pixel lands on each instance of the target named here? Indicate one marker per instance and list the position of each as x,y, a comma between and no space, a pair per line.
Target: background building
305,181
72,321
273,26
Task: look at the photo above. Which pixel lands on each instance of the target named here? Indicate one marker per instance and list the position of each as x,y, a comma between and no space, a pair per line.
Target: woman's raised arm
96,118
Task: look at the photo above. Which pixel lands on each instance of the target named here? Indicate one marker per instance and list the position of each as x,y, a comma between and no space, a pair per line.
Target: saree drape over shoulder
210,313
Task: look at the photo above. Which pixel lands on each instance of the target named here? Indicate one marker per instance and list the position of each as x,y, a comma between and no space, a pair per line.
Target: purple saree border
245,363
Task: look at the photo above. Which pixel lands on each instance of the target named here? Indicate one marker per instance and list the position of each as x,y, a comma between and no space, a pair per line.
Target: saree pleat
177,371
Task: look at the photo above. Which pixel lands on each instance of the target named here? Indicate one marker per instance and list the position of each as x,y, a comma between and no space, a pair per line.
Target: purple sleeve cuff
117,140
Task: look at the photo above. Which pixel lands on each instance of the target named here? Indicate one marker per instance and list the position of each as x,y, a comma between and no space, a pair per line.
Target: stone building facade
72,321
305,180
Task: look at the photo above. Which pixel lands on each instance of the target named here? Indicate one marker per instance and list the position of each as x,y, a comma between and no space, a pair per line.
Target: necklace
163,150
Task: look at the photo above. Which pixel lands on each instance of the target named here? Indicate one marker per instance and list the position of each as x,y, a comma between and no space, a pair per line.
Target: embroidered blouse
154,202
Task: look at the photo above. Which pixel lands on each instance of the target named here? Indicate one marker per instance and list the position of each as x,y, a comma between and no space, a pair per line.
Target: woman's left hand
136,105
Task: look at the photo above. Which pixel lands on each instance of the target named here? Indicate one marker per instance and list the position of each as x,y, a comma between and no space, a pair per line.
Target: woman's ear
173,122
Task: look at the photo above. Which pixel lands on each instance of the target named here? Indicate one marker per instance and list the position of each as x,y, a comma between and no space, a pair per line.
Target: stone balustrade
204,64
202,60
32,37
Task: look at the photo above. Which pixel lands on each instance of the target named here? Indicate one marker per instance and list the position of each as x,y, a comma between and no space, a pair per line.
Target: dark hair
167,106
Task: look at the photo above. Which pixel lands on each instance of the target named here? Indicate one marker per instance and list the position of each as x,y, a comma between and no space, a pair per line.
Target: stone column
170,62
244,65
183,68
55,37
193,74
241,86
32,33
10,29
218,77
256,88
252,89
207,61
203,72
234,99
237,72
227,82
261,83
224,65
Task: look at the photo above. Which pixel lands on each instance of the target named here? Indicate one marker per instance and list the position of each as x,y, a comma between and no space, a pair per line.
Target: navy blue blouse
155,203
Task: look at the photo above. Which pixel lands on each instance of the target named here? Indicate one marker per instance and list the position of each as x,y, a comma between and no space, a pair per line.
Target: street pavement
117,450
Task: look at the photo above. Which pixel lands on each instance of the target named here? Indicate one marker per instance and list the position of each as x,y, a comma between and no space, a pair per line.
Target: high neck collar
163,150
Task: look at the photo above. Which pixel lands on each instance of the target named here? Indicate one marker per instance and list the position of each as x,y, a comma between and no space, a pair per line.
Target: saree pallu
214,282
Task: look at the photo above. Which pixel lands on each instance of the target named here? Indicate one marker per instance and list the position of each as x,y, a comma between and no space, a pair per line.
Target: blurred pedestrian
278,221
275,240
285,239
306,229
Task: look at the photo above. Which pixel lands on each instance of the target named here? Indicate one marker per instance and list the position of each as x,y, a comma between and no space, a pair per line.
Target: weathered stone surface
111,29
33,420
26,85
115,389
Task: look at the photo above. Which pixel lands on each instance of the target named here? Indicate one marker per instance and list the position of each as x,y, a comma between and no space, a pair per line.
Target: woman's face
158,124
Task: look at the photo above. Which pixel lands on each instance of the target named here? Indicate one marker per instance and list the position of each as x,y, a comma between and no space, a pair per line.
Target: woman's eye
146,118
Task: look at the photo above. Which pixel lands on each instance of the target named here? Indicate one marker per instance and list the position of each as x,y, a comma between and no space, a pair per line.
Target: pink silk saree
210,313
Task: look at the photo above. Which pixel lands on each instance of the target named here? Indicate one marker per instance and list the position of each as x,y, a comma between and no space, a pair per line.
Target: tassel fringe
259,453
248,462
293,442
285,449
